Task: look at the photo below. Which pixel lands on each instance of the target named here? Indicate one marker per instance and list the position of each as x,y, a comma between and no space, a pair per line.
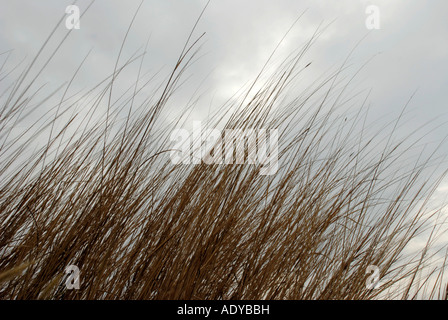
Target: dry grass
103,195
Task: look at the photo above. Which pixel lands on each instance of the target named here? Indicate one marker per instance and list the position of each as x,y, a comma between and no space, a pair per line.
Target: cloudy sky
408,53
410,49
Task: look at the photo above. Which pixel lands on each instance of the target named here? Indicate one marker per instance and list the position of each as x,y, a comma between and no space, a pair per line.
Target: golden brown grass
103,195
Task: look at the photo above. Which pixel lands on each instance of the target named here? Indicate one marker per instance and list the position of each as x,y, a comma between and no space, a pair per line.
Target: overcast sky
409,50
240,35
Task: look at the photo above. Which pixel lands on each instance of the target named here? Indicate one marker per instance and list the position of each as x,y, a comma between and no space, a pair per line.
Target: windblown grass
103,194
